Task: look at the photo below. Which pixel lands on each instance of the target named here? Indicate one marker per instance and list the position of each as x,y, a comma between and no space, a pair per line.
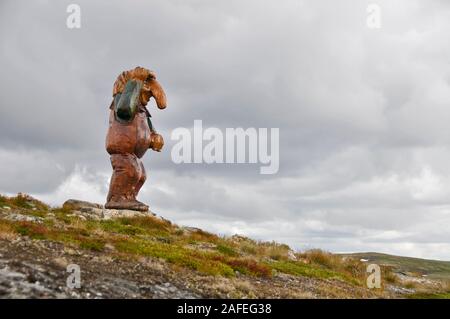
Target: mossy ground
196,250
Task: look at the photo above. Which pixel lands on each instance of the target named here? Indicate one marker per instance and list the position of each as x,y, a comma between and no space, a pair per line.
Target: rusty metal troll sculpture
130,134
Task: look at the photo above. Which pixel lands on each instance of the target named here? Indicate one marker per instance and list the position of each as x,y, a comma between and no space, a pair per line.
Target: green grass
147,223
434,269
115,226
248,266
21,201
34,231
3,201
199,250
92,244
227,250
176,255
153,237
445,295
299,269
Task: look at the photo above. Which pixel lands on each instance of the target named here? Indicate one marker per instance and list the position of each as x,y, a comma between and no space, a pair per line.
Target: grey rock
23,218
87,210
79,204
291,255
117,213
7,273
189,229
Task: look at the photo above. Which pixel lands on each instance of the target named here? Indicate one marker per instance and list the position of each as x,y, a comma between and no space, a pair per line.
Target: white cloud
80,184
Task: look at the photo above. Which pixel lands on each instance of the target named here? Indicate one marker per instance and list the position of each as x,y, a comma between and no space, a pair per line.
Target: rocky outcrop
150,257
76,204
38,269
88,210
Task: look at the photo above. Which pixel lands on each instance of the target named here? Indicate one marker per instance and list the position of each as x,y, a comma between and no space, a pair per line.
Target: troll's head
150,87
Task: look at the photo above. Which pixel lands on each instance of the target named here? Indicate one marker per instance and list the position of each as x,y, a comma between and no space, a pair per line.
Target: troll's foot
127,204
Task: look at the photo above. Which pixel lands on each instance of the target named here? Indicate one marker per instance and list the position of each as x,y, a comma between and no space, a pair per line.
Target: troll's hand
157,142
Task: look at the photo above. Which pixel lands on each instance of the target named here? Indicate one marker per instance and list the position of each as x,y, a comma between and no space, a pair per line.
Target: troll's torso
128,138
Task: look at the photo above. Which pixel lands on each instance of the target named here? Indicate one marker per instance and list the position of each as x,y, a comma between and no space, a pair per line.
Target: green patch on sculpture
126,103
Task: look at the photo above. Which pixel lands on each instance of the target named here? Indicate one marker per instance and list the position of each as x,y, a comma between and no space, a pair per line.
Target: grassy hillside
198,260
430,268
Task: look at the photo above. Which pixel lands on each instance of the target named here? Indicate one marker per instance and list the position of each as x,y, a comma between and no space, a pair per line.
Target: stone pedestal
96,211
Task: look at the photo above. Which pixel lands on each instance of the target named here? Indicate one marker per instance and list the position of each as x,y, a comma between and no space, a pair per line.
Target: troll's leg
142,178
125,178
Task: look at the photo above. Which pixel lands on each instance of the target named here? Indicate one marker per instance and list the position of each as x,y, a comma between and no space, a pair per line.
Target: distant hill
433,269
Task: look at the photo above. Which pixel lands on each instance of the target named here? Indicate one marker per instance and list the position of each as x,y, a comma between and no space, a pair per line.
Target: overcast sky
364,114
